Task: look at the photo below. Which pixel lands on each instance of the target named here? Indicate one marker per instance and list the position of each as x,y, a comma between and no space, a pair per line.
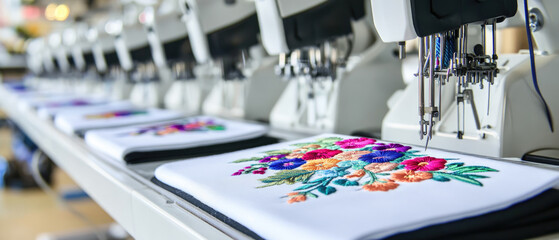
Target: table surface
125,192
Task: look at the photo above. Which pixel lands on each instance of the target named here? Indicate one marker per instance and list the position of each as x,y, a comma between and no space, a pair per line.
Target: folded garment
186,137
48,109
111,115
33,100
342,187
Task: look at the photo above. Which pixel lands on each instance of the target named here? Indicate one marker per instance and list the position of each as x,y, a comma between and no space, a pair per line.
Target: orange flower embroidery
297,198
299,150
382,185
411,176
320,164
315,146
381,167
295,155
356,174
351,155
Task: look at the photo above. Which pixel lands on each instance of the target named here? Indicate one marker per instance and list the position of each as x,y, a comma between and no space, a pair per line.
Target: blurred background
26,211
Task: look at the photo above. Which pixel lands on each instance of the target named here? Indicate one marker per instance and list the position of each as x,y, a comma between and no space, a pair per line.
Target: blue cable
533,66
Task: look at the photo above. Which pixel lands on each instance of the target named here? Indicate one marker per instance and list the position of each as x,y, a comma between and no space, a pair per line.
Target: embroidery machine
470,99
243,81
329,89
135,57
172,54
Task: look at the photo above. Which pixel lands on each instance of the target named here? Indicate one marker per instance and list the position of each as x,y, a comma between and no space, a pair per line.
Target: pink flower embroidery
320,154
425,164
355,143
351,155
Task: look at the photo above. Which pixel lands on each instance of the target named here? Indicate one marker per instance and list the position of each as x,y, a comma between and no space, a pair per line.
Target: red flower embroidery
425,164
320,154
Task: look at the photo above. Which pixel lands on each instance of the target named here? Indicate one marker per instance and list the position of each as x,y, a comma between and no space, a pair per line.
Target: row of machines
424,73
326,66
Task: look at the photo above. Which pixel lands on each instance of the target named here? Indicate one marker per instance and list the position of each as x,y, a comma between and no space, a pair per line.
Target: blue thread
448,51
438,51
533,66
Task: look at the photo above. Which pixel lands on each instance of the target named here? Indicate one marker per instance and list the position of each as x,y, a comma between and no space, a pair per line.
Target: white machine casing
130,35
516,123
355,100
236,98
205,16
163,27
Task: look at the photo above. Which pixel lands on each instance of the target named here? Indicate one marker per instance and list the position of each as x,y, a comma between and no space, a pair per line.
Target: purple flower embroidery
353,143
272,158
287,164
391,147
380,156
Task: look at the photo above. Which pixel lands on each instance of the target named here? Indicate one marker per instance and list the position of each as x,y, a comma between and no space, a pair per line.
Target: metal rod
494,33
421,89
483,38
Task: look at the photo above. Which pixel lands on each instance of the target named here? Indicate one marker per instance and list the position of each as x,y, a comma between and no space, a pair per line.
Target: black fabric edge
500,219
191,199
161,155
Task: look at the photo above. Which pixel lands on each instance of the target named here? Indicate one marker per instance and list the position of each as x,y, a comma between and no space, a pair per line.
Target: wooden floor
26,213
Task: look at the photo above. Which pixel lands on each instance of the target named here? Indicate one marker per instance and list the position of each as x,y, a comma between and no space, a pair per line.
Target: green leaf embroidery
326,190
217,128
311,195
460,177
299,145
474,169
345,182
286,177
440,178
453,166
304,187
330,140
278,152
247,159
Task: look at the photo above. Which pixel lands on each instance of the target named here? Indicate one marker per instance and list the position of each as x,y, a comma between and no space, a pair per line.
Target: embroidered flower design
351,155
182,126
381,156
425,164
295,155
410,176
384,185
320,154
353,143
116,114
296,197
286,164
381,167
391,147
71,103
315,146
339,163
272,158
320,164
327,173
356,164
356,174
